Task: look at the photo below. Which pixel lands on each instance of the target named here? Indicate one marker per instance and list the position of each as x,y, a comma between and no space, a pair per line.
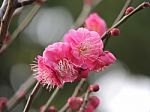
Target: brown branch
124,18
127,3
5,21
75,93
31,96
85,101
3,8
22,26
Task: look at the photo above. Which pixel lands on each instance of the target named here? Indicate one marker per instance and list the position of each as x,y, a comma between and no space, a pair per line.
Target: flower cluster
81,52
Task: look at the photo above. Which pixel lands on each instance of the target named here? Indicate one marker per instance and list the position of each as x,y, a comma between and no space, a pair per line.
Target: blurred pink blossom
96,23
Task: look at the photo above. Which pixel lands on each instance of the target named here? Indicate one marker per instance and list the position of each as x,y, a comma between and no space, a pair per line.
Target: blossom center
64,67
84,48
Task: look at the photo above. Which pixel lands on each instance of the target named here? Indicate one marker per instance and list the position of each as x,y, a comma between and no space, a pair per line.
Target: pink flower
103,61
46,75
55,67
75,102
3,103
96,23
86,46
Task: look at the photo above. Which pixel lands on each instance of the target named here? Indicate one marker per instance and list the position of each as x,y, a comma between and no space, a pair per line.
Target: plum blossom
86,46
95,23
55,67
73,59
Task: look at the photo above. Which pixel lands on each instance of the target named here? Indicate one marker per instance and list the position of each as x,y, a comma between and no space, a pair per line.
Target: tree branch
3,8
127,3
124,18
31,96
22,26
5,21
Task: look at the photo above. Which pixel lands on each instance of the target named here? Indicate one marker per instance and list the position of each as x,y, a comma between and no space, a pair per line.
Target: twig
127,3
31,96
22,26
86,97
50,100
5,21
124,18
75,93
3,8
25,87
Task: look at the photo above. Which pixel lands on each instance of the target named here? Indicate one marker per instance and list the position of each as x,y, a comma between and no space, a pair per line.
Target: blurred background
125,86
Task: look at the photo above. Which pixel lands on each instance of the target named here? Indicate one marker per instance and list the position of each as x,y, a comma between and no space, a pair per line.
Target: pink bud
89,108
146,4
115,32
129,10
52,109
3,102
42,108
94,88
94,101
96,23
75,102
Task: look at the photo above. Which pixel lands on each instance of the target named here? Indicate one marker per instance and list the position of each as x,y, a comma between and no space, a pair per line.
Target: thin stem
50,99
75,93
124,18
5,21
86,97
31,96
22,26
127,3
23,90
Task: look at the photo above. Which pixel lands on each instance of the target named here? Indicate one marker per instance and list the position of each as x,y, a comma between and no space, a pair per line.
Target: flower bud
129,10
146,4
115,32
75,102
3,102
94,101
42,108
94,88
52,109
